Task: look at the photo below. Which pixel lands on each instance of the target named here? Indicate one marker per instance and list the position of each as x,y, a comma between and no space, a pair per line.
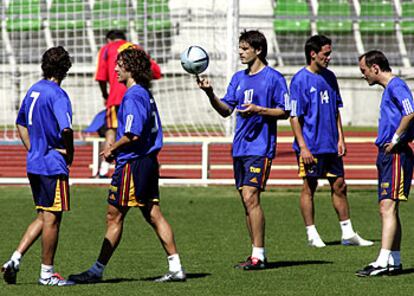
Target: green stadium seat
291,16
110,14
67,15
377,16
334,16
24,15
407,17
157,14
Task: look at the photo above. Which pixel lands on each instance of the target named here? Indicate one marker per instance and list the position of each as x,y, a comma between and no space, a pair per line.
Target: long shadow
280,264
189,276
406,271
337,242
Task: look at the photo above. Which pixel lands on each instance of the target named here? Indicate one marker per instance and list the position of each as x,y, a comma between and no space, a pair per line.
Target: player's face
368,73
247,53
122,74
323,57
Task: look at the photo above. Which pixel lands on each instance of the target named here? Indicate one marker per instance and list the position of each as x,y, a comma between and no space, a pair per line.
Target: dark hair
315,43
376,57
56,63
256,40
115,34
137,62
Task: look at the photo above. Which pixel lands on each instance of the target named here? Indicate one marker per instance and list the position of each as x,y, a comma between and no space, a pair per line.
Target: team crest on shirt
253,180
255,170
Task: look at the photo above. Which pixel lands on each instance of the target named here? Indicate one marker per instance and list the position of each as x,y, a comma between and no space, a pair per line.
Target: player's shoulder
300,74
136,91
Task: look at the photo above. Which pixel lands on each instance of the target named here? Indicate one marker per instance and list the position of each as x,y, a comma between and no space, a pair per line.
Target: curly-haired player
135,180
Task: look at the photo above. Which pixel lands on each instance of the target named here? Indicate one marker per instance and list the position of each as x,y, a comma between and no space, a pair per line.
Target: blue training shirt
315,99
46,111
396,102
138,115
256,135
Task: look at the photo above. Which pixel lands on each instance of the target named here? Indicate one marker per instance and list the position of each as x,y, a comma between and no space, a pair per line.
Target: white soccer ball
194,60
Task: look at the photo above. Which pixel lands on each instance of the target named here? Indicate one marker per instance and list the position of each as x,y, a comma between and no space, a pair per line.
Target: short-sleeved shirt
138,115
315,100
396,102
105,71
46,111
256,135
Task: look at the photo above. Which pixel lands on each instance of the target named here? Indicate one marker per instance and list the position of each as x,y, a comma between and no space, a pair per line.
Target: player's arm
405,122
67,137
297,132
24,136
104,89
222,108
250,109
110,152
341,138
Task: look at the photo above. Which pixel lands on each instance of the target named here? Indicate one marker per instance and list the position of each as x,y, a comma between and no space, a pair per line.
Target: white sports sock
46,271
383,258
16,258
174,263
312,232
347,230
97,268
395,258
104,168
258,253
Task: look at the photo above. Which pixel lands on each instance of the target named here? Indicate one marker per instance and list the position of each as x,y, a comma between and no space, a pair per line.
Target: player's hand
389,148
204,84
107,154
341,148
248,110
68,158
306,156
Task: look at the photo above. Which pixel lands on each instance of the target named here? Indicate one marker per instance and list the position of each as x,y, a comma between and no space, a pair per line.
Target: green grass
211,237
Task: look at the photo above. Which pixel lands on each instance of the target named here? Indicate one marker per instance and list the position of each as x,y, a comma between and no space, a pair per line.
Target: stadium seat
67,15
334,19
292,27
407,27
377,27
153,24
110,14
68,28
24,15
24,29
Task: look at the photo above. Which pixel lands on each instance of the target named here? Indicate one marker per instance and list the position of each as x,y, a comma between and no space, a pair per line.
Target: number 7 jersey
46,111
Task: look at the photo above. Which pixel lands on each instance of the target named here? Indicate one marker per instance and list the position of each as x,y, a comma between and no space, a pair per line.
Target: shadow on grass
280,264
189,276
338,243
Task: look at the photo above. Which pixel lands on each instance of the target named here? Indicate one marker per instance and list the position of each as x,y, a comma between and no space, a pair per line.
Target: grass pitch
211,237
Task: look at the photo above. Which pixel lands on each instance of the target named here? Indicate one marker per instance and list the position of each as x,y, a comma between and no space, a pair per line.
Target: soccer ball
194,60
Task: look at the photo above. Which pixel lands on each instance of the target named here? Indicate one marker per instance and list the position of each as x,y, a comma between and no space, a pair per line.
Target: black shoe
255,264
85,277
372,270
241,265
395,269
10,270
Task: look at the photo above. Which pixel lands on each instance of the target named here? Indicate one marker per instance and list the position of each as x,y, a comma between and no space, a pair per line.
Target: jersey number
248,96
155,125
35,95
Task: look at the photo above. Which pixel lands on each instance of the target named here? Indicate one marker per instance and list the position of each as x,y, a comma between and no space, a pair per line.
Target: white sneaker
316,242
171,276
356,240
55,280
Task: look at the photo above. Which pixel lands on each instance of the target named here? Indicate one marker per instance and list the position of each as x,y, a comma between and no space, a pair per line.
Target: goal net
164,28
